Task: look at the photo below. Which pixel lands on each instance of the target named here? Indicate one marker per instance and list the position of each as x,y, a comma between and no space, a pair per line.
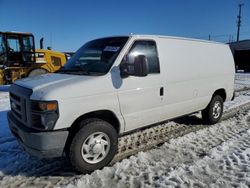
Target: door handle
161,91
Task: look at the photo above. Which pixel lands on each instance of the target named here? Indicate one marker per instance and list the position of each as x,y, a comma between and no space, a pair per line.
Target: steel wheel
216,109
95,148
213,112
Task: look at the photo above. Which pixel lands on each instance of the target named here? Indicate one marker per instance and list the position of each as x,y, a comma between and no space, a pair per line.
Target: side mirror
141,66
138,68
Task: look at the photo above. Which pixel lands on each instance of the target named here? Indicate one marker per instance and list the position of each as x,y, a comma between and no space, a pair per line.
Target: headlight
44,114
47,106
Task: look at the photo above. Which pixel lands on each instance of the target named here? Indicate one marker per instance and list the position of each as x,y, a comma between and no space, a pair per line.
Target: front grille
19,103
15,104
13,96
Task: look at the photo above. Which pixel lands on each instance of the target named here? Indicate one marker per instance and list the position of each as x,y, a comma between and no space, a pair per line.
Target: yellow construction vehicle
20,59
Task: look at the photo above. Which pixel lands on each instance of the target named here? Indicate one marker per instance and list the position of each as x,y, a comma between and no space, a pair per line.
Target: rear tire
93,146
213,112
37,72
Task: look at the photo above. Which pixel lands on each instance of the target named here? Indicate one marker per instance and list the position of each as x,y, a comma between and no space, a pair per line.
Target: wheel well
105,115
222,93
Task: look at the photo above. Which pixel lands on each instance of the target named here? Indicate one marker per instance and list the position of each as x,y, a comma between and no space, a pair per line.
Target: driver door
141,97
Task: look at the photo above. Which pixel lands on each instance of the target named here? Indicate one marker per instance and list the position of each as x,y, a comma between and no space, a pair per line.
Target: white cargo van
116,85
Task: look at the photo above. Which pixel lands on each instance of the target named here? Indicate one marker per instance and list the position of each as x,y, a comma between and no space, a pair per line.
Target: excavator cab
16,49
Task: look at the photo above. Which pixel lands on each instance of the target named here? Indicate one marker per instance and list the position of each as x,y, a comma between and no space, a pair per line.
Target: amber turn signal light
48,106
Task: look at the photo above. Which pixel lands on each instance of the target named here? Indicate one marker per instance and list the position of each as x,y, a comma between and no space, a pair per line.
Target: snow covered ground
242,80
216,156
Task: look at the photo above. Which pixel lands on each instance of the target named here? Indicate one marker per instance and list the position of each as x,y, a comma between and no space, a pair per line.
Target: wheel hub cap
216,110
95,148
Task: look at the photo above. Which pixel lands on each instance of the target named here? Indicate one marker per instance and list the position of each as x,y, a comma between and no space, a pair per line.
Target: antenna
239,22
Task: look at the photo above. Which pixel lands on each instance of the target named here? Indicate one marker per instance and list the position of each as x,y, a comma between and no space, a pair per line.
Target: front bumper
47,144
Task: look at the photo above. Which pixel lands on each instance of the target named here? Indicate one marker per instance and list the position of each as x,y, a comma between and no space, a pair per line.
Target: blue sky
69,24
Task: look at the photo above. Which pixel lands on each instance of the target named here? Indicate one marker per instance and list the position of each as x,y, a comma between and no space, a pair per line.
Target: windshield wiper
73,71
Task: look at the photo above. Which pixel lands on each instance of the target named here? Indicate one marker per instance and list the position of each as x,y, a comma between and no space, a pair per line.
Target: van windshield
95,57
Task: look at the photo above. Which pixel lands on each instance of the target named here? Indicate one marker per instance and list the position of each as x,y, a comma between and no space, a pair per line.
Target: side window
27,43
13,44
148,49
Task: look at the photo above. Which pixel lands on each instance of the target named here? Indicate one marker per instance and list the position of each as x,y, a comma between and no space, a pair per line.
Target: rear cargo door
141,97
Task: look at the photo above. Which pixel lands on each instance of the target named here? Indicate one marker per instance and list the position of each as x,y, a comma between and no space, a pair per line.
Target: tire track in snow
164,166
227,165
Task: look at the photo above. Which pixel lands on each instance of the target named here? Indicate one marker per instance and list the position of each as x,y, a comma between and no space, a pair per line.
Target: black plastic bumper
41,144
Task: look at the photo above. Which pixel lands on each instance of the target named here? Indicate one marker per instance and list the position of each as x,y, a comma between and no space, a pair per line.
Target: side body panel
193,71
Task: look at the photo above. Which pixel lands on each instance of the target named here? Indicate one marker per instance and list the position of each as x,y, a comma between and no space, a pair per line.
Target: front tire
213,112
93,146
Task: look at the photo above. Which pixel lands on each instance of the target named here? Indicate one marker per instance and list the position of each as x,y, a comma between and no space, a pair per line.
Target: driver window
148,49
13,45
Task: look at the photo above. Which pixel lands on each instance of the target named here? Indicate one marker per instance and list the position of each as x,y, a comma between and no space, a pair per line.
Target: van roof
174,37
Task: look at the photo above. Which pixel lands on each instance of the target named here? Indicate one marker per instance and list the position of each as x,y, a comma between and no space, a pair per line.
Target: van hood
45,80
60,86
